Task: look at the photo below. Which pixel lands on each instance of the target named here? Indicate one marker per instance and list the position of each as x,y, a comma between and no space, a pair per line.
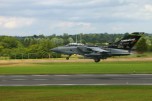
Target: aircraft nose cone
54,49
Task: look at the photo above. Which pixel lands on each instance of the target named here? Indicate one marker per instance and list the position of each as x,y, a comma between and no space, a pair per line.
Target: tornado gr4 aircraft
119,48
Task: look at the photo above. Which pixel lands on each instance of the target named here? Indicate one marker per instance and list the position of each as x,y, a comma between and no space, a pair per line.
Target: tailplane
128,41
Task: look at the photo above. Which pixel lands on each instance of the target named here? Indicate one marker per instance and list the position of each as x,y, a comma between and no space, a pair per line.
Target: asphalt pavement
79,79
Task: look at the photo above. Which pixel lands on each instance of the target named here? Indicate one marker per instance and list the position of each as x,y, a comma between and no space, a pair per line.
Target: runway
80,79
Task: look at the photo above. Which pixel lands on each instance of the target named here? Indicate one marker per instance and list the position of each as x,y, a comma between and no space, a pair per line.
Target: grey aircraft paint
119,48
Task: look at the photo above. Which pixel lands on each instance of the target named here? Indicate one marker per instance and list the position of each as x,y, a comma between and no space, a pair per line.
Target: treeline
38,46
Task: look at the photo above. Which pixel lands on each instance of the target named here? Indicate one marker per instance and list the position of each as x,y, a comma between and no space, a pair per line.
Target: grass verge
78,68
76,93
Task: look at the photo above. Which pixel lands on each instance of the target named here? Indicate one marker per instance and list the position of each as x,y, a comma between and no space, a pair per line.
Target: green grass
78,68
76,93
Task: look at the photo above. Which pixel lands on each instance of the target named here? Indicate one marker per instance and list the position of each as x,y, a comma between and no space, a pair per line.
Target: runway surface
81,79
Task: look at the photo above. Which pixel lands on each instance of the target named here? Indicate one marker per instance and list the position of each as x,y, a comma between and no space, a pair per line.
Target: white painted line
73,84
40,79
19,79
62,75
9,85
91,84
70,84
18,76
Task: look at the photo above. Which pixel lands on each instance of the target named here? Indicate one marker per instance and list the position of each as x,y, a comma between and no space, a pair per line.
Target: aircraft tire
67,58
96,60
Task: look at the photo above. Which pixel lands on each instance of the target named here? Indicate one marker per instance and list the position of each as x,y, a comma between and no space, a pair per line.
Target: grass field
78,68
76,93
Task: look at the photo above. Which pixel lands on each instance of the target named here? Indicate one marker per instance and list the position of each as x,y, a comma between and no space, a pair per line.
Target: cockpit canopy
75,44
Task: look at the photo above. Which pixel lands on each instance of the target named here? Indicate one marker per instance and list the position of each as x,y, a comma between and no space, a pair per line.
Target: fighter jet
119,48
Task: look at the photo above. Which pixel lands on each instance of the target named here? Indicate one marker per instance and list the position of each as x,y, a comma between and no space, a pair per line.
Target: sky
47,17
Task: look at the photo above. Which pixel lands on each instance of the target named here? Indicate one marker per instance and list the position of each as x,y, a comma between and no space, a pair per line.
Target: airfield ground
76,93
73,60
110,67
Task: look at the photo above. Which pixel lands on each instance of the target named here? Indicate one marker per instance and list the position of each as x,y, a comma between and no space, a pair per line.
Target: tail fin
128,41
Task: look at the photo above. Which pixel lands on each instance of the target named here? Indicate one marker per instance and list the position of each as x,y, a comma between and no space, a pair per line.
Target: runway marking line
19,79
40,79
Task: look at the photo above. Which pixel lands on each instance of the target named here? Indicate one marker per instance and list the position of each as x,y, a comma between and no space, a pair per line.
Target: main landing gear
96,59
67,58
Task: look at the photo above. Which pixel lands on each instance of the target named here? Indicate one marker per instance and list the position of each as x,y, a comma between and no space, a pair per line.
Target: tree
141,45
70,40
10,42
57,41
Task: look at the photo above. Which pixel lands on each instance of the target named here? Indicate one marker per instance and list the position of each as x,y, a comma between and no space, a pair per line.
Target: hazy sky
29,17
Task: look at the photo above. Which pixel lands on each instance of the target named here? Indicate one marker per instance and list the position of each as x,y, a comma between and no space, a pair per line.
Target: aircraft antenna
80,37
76,39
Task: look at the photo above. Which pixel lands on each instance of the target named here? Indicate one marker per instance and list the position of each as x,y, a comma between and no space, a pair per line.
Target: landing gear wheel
96,60
67,58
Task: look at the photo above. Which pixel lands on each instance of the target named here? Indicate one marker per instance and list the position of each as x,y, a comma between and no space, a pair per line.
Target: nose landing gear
67,58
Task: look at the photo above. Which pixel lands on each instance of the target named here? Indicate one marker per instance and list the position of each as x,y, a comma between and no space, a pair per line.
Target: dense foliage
38,46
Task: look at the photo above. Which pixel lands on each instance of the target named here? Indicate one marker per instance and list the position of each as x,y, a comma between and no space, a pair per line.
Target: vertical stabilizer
128,41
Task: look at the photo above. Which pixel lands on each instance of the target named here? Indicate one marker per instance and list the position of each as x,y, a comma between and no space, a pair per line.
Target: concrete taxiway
80,79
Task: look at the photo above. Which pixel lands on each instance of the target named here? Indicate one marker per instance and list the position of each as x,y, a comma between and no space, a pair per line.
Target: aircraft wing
97,53
97,49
